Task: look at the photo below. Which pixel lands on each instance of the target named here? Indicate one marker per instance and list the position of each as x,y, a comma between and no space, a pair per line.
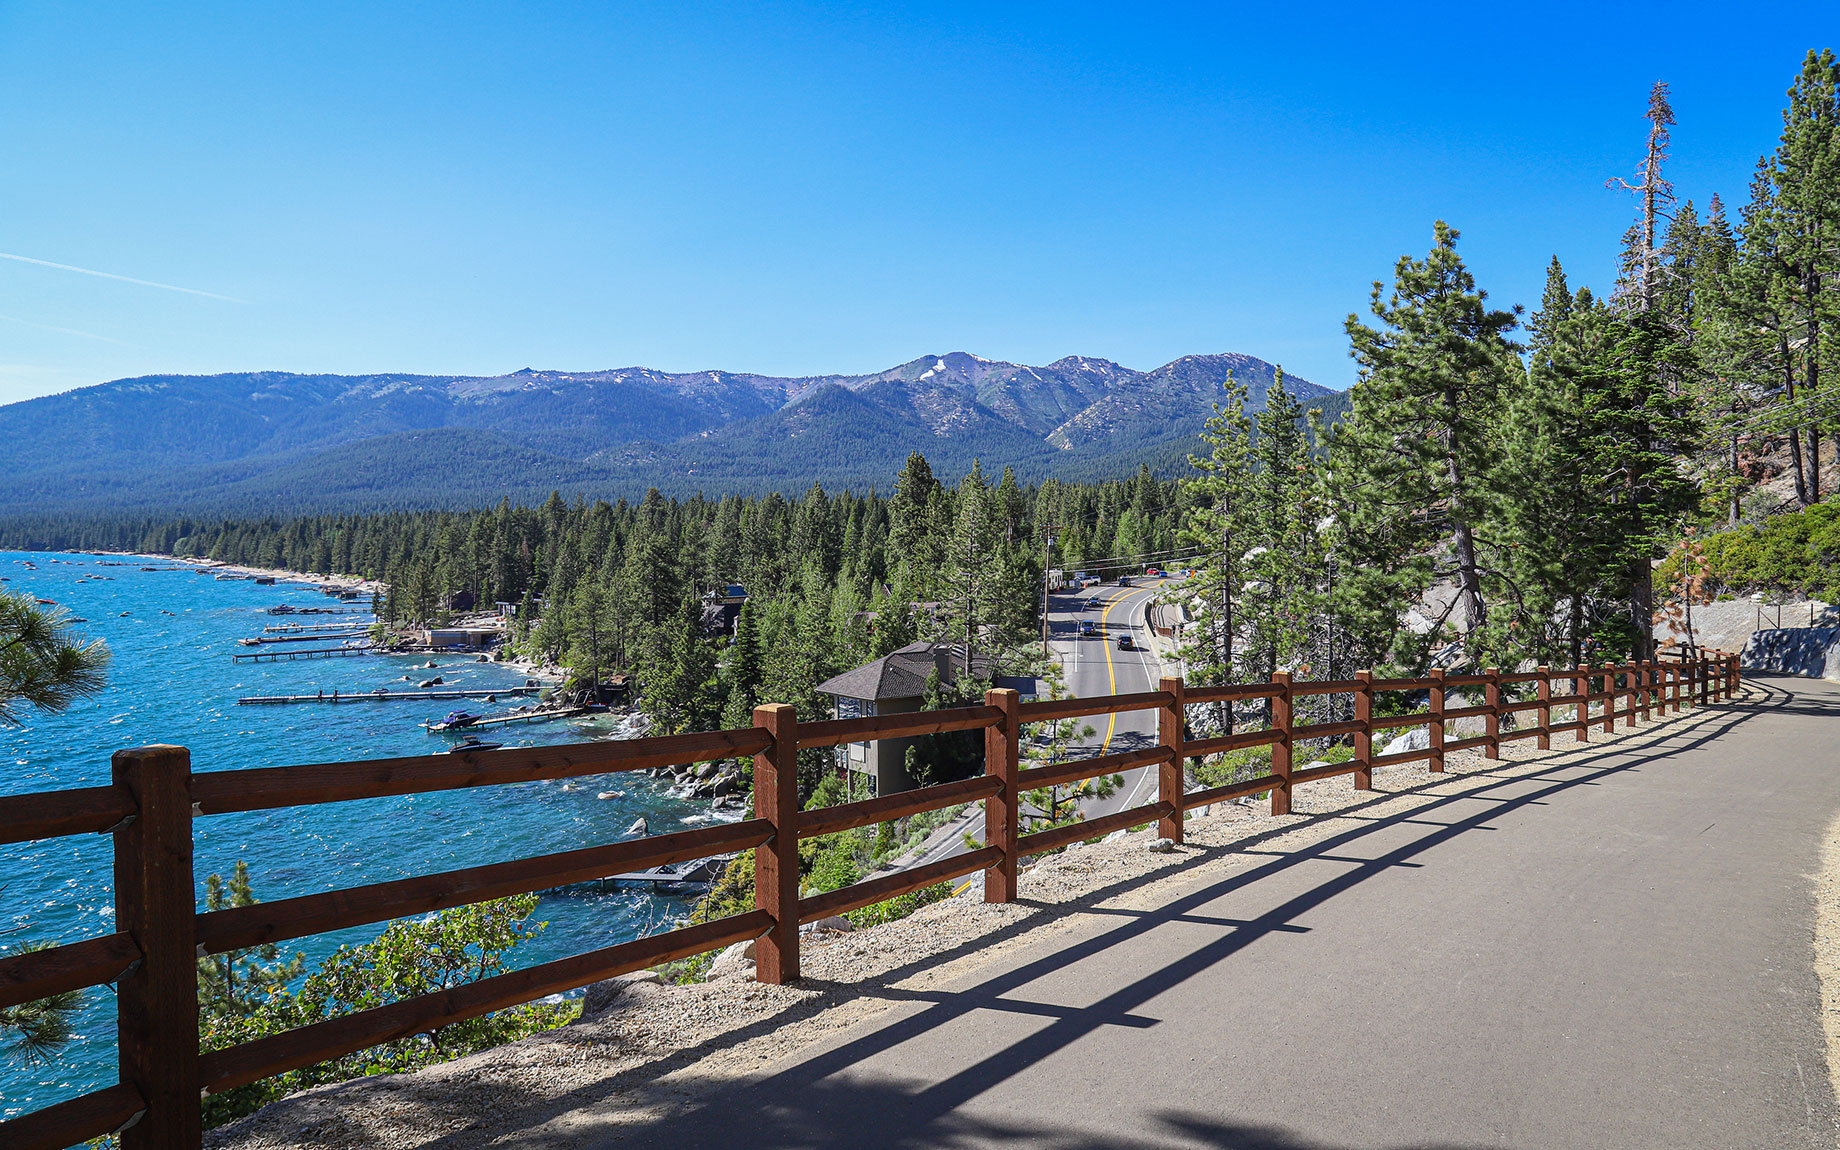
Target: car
1088,627
1124,580
1125,643
1093,604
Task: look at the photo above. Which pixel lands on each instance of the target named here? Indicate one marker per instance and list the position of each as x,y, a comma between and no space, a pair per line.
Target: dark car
1088,627
1093,604
1125,643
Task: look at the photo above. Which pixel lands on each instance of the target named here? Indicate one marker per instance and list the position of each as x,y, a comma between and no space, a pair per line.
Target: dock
312,628
385,695
318,636
309,653
518,717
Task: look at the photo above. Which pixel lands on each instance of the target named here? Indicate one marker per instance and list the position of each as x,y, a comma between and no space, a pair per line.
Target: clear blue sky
791,188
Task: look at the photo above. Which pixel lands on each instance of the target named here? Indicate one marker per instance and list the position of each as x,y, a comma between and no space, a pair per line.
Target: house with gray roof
892,685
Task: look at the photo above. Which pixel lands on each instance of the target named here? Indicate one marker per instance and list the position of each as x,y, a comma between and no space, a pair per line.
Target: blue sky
796,189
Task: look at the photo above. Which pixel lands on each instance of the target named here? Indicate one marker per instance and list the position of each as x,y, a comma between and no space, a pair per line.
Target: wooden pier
386,695
313,628
316,637
516,717
310,653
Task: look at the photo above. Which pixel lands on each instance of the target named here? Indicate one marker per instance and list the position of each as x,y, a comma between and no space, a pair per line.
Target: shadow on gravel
815,1101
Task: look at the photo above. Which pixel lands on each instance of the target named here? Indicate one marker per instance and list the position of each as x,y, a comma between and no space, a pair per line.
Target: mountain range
278,443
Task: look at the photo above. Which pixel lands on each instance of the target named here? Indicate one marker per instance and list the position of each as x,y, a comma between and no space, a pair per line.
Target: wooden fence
149,805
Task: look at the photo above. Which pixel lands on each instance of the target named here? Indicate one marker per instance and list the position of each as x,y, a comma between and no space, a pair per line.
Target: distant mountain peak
273,442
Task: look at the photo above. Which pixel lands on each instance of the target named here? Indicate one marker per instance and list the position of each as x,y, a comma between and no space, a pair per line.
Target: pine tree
1640,283
36,1031
1802,226
1414,462
591,623
741,672
234,984
1219,529
1286,558
972,576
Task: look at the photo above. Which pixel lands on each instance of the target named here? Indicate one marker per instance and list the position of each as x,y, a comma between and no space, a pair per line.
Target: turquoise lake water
173,681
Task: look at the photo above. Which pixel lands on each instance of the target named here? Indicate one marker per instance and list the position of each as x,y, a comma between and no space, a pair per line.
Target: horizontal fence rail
153,796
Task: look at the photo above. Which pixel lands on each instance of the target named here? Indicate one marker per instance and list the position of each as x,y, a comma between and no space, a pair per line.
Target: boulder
1416,739
619,992
735,962
835,924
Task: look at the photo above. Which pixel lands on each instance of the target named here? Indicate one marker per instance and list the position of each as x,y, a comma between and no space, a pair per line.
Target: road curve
1606,950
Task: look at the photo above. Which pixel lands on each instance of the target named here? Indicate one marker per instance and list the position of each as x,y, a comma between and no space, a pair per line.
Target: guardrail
153,796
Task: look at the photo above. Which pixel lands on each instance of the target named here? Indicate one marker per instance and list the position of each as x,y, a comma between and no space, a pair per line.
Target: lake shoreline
531,667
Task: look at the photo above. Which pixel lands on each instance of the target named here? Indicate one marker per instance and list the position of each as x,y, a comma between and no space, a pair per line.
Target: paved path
1611,953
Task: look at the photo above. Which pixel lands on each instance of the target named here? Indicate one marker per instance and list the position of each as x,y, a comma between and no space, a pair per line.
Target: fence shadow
814,1100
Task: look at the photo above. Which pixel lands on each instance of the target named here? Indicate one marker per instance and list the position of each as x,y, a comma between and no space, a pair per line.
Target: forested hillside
274,443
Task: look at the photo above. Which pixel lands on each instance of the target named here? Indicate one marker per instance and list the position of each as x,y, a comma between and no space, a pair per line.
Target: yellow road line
1111,723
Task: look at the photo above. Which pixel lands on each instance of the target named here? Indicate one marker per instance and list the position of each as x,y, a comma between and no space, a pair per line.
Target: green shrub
411,958
900,906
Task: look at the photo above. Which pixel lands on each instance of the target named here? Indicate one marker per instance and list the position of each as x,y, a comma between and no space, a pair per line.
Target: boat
473,743
455,721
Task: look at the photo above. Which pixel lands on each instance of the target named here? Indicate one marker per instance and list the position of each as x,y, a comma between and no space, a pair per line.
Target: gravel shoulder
660,1049
1827,946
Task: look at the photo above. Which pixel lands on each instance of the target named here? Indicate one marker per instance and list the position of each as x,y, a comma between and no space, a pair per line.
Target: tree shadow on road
821,1098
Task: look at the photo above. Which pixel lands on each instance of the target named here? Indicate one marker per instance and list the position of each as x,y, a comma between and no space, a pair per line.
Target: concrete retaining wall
1812,652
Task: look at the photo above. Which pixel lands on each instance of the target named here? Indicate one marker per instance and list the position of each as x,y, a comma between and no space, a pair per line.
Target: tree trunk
1469,582
1734,479
1642,607
1795,431
1577,629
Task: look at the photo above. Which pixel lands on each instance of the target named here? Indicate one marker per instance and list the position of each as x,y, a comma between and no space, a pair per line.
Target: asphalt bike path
1608,950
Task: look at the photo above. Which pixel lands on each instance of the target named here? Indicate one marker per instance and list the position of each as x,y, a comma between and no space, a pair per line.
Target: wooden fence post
156,1001
1364,738
1734,675
1645,674
1544,742
1702,671
1632,680
1169,783
776,861
1492,721
1581,710
1281,722
1435,729
1002,759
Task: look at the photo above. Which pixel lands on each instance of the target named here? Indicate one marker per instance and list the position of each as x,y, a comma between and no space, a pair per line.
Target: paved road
1095,666
1613,953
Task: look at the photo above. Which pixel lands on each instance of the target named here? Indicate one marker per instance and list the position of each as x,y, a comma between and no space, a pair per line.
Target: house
471,637
892,685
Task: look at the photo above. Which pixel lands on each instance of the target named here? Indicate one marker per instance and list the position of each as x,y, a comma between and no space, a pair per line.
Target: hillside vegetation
274,443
